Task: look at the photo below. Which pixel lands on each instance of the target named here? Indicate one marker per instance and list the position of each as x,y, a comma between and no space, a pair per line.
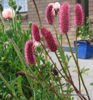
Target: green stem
52,88
61,39
65,63
78,67
53,62
22,60
64,59
56,34
2,20
61,65
68,80
77,57
60,85
37,12
9,87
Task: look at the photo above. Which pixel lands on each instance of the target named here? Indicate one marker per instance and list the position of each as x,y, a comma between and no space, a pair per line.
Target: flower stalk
77,67
37,12
77,57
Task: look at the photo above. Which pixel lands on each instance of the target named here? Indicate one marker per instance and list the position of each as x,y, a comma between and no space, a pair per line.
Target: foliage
85,31
20,81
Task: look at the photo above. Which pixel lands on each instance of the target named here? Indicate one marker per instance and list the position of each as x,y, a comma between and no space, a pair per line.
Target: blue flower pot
85,50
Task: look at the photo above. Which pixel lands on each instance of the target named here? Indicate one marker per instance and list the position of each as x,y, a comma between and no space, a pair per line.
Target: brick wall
91,9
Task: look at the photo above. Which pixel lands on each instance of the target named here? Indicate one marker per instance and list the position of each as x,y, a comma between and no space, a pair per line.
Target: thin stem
61,39
9,87
60,44
77,67
47,83
78,92
37,12
39,22
68,80
52,88
64,60
65,63
56,34
53,61
3,24
60,85
77,57
61,65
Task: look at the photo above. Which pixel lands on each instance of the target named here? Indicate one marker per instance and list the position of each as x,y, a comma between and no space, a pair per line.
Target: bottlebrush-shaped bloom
29,52
35,32
50,14
64,18
50,41
79,15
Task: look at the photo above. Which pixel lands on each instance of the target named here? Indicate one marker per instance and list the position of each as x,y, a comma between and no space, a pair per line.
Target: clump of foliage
85,31
43,80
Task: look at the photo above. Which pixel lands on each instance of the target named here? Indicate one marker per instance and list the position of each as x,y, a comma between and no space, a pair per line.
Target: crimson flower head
29,52
64,18
50,14
35,32
79,15
50,41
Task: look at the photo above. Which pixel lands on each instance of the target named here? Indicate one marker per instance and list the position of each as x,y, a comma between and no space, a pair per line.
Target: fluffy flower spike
79,15
64,18
50,14
29,52
35,32
50,41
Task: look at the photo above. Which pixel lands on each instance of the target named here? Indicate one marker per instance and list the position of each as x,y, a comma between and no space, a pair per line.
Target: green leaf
91,84
84,70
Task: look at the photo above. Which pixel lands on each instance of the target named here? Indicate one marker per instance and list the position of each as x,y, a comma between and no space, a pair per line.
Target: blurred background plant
86,32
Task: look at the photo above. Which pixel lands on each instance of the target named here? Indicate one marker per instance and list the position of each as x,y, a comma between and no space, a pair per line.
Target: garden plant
27,70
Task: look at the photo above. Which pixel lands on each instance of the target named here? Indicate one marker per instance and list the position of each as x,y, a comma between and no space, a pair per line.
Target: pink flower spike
29,52
50,14
35,32
50,41
64,18
79,15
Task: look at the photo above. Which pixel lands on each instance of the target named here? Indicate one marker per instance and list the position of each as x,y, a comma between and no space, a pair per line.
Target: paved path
88,77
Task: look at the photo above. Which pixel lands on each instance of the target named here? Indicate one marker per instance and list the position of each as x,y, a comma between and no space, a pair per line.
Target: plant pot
85,49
